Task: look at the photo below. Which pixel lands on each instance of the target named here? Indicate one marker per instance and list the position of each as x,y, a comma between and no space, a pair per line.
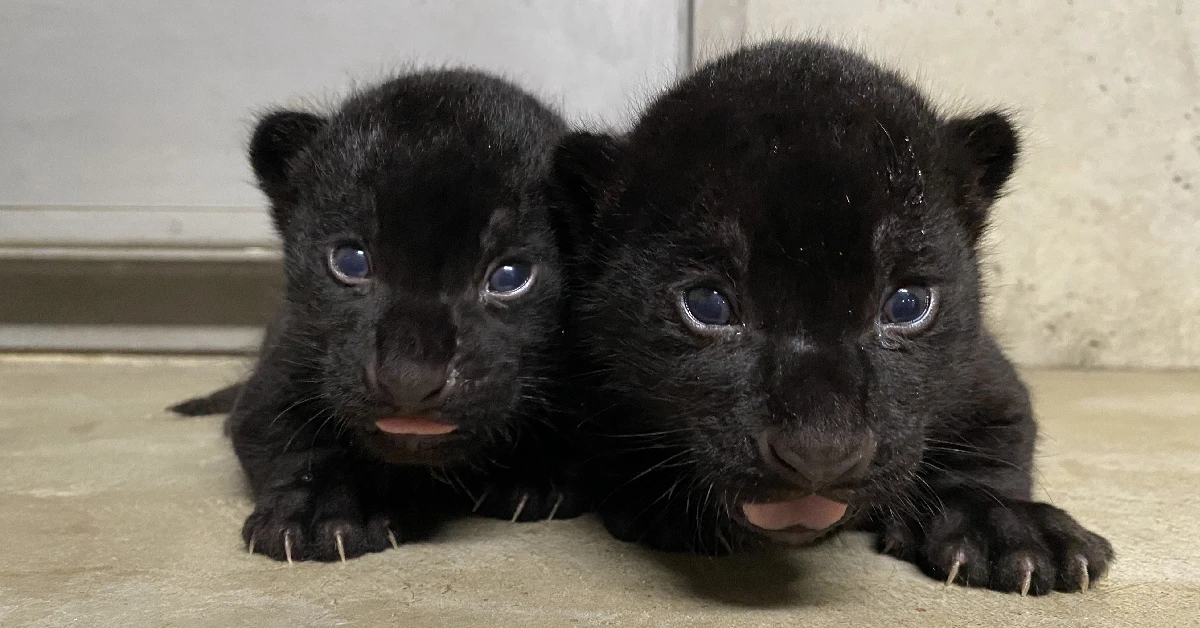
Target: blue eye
907,305
510,280
350,264
708,306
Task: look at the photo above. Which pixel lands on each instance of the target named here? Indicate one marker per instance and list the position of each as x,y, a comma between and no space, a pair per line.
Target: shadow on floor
760,580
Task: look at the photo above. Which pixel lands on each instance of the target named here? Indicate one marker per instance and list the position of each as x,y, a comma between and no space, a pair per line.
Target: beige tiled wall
1095,256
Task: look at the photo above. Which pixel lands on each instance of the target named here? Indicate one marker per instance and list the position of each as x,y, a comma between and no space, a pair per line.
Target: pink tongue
419,426
813,512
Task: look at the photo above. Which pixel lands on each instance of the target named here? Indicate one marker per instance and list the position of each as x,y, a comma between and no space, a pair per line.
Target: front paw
1005,545
301,526
521,502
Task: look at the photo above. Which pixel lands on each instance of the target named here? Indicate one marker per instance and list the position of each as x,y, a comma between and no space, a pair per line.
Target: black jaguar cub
778,319
413,372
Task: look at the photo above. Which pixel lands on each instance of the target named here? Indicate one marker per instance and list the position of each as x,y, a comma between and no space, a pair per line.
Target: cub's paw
1012,546
296,526
519,502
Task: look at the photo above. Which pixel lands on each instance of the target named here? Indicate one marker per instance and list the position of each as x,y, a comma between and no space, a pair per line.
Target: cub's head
423,287
779,282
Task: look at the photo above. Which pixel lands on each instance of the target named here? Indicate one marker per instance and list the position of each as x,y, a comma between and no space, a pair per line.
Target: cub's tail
217,402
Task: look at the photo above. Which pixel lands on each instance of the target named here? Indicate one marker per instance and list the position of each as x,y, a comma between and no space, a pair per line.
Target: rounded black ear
986,147
585,167
277,138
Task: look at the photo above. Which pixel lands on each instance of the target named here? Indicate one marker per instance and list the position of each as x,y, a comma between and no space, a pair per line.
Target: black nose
818,463
410,384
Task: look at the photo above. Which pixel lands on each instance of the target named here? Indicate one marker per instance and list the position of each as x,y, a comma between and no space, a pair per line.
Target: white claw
287,547
888,546
1085,581
953,572
558,502
479,502
1028,579
250,548
337,537
960,558
520,507
392,538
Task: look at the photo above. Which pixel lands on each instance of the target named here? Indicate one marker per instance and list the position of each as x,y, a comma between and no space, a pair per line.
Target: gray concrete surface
145,104
124,124
1095,251
115,514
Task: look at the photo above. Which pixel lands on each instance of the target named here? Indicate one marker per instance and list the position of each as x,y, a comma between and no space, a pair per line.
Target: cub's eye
908,306
350,264
510,280
707,307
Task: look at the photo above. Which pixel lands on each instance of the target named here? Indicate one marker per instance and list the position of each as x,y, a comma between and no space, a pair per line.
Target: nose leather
409,384
818,463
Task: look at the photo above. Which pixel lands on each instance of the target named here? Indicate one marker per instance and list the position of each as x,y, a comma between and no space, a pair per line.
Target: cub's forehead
360,151
805,181
802,196
789,161
363,173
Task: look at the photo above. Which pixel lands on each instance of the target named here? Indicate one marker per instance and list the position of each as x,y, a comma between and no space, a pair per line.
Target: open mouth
414,426
796,521
415,440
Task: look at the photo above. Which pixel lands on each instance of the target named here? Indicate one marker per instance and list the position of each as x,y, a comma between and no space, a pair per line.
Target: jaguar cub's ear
984,152
279,137
585,169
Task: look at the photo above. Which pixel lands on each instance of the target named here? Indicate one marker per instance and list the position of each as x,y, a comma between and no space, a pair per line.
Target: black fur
807,184
441,175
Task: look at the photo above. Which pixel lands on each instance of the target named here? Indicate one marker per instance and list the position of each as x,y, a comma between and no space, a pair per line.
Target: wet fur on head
440,177
806,184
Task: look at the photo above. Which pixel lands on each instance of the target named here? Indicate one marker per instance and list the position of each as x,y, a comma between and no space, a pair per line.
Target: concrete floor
115,514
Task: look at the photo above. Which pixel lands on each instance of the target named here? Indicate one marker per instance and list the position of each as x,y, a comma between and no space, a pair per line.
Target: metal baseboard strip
218,339
140,254
61,226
